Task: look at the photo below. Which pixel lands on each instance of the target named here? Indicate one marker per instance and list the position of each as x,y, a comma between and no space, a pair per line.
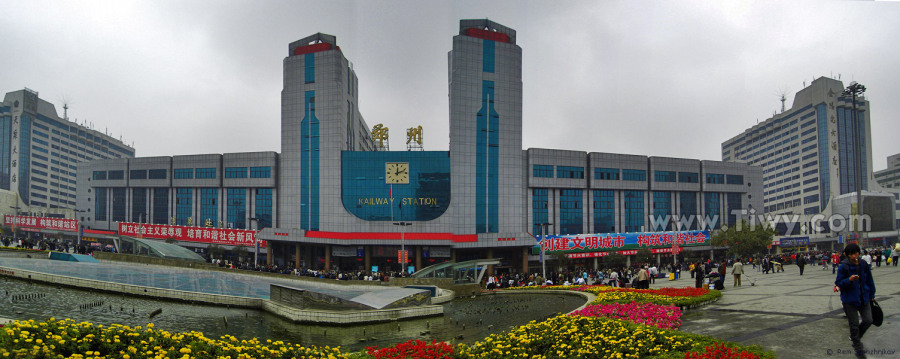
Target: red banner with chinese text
60,224
234,237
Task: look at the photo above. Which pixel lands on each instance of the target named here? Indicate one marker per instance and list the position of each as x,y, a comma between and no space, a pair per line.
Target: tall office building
485,69
40,151
318,101
808,152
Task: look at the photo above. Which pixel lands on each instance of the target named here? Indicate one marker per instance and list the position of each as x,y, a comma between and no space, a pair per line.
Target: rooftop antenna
782,93
66,104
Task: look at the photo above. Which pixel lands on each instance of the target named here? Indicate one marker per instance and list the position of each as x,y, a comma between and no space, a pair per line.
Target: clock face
396,172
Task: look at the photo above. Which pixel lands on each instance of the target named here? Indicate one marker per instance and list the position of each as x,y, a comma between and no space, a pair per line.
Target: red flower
413,349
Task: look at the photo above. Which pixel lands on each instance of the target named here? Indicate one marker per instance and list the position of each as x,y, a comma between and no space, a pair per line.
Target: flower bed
67,339
593,337
413,349
660,316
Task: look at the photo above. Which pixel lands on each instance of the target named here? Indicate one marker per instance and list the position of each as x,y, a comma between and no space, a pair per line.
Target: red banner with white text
60,224
234,237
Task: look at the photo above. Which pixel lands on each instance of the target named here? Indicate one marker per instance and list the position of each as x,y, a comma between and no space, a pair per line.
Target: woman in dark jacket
854,279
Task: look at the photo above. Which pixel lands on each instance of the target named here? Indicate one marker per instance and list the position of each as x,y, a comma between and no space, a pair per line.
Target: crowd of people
51,244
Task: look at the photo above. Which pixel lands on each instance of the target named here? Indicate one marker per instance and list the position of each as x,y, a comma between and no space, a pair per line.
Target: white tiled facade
40,151
807,151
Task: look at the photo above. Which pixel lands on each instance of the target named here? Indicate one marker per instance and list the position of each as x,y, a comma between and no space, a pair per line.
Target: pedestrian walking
737,270
854,281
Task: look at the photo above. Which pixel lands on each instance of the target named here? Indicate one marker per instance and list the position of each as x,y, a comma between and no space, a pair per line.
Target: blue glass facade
309,176
734,203
569,172
609,174
604,211
634,175
204,173
664,176
366,195
539,204
687,209
119,204
161,206
849,130
544,171
139,205
235,172
263,208
309,73
487,157
261,172
712,209
571,211
662,208
825,167
236,212
184,206
100,204
634,211
488,51
209,207
183,173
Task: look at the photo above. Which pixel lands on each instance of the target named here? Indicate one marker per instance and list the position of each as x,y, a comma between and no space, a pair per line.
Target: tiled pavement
795,316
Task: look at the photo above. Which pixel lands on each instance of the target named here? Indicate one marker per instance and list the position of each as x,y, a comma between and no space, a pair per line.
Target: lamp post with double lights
543,238
403,255
255,239
856,89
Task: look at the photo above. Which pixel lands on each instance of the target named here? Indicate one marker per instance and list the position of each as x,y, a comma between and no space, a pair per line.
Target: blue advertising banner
795,242
575,243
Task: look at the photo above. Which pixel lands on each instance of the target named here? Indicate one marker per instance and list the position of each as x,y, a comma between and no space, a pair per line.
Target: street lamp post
543,237
255,240
855,89
403,255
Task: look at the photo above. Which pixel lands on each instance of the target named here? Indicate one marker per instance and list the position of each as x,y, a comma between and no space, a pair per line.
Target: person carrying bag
854,280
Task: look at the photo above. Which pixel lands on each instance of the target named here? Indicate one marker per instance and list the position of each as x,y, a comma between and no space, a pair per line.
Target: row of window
612,174
184,173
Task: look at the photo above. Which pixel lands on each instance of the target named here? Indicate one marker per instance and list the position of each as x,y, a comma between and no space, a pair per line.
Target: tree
643,255
240,252
614,260
742,240
215,251
562,260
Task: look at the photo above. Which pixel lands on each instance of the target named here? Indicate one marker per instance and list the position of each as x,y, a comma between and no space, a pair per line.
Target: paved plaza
795,316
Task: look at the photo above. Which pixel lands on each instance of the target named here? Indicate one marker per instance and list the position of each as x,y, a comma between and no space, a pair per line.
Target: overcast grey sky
661,78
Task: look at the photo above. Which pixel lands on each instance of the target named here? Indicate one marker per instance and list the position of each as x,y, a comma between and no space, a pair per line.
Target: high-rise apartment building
40,151
808,153
890,177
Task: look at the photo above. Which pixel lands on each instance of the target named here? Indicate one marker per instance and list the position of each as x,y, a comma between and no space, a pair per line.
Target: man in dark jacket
854,280
801,262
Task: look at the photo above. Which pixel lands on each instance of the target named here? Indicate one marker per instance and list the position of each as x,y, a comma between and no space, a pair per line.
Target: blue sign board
795,242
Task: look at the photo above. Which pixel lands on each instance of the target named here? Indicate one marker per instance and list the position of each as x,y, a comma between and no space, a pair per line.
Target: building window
571,211
100,204
156,174
139,205
237,207
183,173
734,179
309,62
634,211
539,214
713,210
261,172
688,177
118,204
609,174
715,178
634,175
664,176
209,207
206,173
184,206
99,175
604,211
662,211
569,172
137,174
734,203
263,208
161,206
544,171
235,172
687,208
117,175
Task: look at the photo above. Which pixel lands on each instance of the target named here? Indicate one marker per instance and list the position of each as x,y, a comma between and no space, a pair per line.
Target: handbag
877,314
